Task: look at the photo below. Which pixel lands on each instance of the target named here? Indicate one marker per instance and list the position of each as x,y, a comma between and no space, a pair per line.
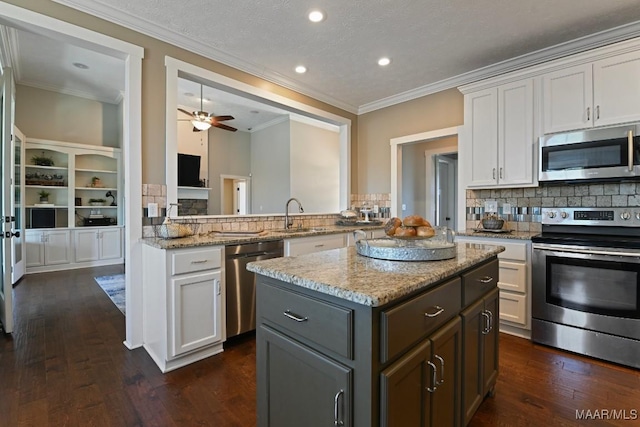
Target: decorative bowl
492,223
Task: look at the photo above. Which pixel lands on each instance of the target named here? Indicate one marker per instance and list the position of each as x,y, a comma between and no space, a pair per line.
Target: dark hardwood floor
65,365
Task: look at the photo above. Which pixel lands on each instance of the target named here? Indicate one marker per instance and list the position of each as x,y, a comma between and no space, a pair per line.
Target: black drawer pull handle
295,317
438,312
486,279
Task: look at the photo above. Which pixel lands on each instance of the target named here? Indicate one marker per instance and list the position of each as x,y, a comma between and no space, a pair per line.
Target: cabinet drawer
513,308
513,276
478,282
195,260
513,251
307,245
409,322
327,325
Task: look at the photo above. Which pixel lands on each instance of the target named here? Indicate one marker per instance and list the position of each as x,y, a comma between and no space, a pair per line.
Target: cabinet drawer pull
337,421
439,311
434,381
486,279
295,317
200,261
320,245
441,360
487,324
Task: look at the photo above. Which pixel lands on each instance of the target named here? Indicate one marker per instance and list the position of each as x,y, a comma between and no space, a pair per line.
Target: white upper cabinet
498,140
601,93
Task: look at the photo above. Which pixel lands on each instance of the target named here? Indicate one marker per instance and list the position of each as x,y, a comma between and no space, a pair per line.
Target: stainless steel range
586,282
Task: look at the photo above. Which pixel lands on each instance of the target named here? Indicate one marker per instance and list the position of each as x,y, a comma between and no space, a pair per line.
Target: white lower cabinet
47,247
307,245
97,244
183,294
514,283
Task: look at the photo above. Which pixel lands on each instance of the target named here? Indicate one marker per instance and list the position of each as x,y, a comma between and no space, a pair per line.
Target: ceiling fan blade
195,129
222,118
225,127
185,111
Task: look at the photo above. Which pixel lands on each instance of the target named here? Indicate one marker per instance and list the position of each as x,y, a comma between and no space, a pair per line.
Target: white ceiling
433,44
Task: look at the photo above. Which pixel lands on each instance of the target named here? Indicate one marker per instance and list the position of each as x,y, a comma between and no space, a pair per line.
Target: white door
446,194
240,197
18,248
6,285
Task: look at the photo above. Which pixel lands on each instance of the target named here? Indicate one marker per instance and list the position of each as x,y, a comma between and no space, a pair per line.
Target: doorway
234,194
12,18
446,189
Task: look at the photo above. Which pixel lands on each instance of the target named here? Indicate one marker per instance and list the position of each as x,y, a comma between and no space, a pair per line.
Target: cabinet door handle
485,279
500,173
494,173
490,320
434,381
337,418
630,150
598,112
218,290
438,311
588,113
441,360
487,324
295,317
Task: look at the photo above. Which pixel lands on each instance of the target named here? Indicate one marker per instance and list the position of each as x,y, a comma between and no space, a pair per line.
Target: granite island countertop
234,238
368,281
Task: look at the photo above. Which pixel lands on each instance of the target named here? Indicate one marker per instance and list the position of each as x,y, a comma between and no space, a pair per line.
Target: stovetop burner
599,227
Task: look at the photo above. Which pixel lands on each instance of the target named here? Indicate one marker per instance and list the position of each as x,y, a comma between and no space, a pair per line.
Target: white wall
50,115
315,167
229,154
270,169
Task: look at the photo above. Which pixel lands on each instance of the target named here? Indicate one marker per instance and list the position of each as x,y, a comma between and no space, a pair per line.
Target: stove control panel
616,217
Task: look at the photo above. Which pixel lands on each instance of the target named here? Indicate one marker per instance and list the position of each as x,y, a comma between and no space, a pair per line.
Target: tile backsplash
526,203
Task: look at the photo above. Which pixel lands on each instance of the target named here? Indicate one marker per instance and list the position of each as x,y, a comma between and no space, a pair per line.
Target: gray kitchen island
348,340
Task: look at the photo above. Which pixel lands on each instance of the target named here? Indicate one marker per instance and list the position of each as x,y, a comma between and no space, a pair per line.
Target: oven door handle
585,251
630,149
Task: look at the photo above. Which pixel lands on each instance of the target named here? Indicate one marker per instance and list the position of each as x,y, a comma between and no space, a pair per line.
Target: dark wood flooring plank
65,365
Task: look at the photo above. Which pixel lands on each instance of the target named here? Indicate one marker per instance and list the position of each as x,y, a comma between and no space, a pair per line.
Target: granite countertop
516,235
368,281
220,238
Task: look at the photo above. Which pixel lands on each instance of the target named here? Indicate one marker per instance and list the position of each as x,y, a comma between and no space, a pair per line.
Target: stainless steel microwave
605,153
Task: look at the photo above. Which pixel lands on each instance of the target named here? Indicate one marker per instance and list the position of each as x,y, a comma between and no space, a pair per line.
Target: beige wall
58,117
375,129
153,75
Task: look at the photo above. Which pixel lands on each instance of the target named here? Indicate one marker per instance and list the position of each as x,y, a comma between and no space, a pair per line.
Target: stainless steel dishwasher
241,284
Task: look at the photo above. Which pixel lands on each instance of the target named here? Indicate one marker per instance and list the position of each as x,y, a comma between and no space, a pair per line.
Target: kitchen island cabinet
342,339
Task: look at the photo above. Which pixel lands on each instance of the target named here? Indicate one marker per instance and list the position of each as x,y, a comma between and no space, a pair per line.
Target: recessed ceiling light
316,16
81,65
301,69
384,61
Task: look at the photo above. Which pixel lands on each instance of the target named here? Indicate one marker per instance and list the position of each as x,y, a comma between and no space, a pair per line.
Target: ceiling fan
201,120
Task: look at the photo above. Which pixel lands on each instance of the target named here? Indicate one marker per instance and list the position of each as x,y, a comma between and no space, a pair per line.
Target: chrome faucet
288,223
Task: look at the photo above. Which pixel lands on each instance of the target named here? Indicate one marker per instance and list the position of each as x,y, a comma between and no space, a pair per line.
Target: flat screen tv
188,170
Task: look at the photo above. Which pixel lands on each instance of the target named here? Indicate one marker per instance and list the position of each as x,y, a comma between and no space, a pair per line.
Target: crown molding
100,10
9,49
150,29
561,50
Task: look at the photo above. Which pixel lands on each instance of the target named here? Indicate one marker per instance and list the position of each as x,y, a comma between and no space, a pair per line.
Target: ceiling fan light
200,125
